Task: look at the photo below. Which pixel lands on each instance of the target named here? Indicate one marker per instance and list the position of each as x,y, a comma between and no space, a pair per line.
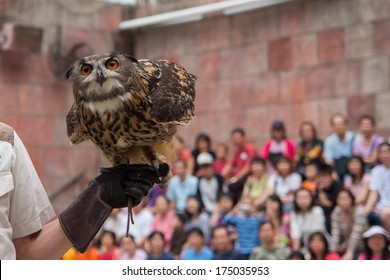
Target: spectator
143,218
284,182
309,149
108,249
256,186
181,186
367,142
224,205
348,224
129,251
245,219
116,222
338,146
156,247
179,235
279,145
154,192
221,157
327,191
182,152
163,219
376,244
222,244
280,219
357,180
196,248
209,184
311,178
306,218
269,249
296,256
319,247
237,169
196,217
378,203
202,145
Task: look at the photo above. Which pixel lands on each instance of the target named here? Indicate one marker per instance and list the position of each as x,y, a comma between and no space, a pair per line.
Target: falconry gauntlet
115,187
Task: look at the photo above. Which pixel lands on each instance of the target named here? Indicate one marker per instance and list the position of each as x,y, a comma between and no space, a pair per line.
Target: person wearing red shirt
237,169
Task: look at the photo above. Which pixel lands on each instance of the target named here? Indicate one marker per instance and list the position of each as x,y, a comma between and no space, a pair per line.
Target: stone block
267,88
358,106
347,78
280,54
243,92
304,50
208,66
330,45
293,85
318,82
382,36
375,74
382,112
358,41
326,109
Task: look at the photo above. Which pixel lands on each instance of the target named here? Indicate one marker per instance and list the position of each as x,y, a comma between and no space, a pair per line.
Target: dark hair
258,159
286,159
384,144
276,198
350,194
195,230
312,126
338,115
278,126
217,228
225,195
156,233
368,252
181,217
189,215
104,232
296,254
298,209
362,168
238,130
267,222
322,236
367,117
203,137
131,237
325,169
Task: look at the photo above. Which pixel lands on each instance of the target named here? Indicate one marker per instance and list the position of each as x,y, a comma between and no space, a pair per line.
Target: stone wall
298,61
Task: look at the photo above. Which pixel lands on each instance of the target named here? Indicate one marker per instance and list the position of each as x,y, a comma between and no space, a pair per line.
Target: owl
130,108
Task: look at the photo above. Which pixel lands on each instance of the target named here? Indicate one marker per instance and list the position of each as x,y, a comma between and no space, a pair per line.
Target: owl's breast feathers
145,115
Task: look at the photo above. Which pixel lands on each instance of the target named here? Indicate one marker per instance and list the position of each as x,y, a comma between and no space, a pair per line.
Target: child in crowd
256,186
247,221
357,180
284,182
224,205
311,182
319,247
156,247
195,246
296,256
221,157
128,250
108,249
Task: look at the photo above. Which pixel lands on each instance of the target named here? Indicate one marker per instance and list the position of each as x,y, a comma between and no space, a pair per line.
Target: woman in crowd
278,145
284,182
376,244
163,219
202,145
319,247
367,142
221,157
156,247
357,180
128,250
179,235
108,249
309,149
196,217
348,223
306,218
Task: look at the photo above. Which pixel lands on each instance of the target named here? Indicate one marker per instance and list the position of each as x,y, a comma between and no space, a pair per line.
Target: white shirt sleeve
375,180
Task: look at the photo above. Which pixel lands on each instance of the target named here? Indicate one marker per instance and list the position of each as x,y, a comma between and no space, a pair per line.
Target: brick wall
298,61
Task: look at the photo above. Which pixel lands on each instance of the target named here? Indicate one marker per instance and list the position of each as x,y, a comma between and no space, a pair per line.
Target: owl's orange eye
86,69
112,64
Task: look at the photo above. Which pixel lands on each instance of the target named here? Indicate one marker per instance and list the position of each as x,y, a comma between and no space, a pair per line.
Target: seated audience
163,219
319,248
195,246
202,145
311,178
296,256
108,250
224,205
196,217
179,235
221,157
376,244
222,245
143,218
128,250
357,180
156,244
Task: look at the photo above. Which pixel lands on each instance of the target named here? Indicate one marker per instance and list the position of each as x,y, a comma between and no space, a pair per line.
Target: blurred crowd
315,199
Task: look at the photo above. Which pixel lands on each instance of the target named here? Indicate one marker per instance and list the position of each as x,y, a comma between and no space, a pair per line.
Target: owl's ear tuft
131,58
69,72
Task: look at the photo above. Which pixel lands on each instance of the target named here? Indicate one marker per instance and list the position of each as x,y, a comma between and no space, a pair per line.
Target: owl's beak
100,77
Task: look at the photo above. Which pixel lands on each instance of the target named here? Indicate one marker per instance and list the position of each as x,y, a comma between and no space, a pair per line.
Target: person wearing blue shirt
196,249
223,246
338,146
247,222
181,187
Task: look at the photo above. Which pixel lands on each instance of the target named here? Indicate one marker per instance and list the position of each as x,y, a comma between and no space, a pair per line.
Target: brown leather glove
82,219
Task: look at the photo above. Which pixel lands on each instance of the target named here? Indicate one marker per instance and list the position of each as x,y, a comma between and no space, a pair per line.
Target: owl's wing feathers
74,128
172,90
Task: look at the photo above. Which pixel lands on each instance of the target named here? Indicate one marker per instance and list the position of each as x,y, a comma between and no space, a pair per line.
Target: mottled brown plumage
130,109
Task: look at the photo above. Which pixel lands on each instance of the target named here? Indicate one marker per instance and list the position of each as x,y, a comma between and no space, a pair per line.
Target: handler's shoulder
6,133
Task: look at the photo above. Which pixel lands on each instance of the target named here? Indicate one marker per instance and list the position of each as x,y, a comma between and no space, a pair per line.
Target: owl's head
102,76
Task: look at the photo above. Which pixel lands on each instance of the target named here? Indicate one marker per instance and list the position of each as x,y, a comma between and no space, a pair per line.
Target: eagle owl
130,108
